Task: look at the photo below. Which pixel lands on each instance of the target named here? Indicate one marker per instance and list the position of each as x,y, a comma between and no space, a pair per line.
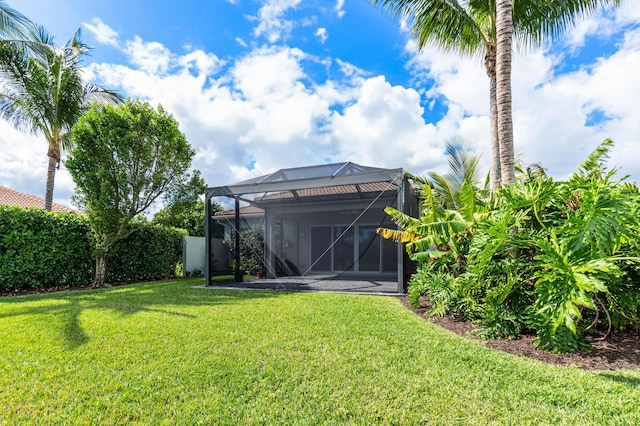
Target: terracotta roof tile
374,187
11,197
333,190
243,210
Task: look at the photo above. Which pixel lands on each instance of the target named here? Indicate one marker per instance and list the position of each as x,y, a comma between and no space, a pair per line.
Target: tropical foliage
13,25
42,89
558,258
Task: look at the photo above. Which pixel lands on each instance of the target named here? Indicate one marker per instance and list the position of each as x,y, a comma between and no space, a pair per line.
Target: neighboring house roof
245,210
11,197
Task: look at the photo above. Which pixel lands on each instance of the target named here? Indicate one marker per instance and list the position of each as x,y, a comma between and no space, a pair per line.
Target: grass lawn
166,353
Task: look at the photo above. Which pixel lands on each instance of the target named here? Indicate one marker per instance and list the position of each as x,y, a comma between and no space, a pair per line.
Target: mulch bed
620,351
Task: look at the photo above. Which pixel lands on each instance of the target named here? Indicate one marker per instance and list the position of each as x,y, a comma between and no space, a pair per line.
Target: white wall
193,254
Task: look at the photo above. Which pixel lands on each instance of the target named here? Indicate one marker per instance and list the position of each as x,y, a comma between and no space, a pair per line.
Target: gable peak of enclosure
316,176
320,220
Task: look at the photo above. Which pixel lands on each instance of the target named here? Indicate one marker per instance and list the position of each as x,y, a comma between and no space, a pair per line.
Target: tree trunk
504,33
101,269
54,160
490,65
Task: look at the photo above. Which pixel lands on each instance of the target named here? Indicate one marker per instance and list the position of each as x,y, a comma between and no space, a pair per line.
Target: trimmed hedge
46,249
151,252
39,249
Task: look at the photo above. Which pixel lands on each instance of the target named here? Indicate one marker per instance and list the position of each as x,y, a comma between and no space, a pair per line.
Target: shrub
556,258
251,250
46,249
151,252
43,249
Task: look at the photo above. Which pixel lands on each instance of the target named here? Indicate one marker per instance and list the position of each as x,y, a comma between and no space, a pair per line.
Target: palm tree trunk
54,160
490,65
504,33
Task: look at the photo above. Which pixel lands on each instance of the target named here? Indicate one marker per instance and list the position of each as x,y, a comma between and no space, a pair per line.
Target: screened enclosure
316,220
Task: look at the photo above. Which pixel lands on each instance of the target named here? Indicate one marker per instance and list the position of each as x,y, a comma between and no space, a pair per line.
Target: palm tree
470,27
463,169
504,36
42,90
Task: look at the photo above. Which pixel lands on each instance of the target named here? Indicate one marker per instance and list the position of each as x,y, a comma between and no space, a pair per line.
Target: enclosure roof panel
318,176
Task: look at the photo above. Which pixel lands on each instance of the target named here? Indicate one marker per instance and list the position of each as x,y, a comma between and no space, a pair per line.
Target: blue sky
263,85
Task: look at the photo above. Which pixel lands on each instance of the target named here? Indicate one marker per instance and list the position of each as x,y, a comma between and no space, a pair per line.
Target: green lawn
166,353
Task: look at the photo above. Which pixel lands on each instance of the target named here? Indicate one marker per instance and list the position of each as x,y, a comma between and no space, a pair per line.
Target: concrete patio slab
318,283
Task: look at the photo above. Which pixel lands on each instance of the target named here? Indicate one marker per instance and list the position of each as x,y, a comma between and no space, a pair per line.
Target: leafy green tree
41,86
184,208
125,157
485,28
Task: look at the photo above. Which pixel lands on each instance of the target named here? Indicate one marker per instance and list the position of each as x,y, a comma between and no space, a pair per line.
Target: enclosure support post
207,239
400,208
238,272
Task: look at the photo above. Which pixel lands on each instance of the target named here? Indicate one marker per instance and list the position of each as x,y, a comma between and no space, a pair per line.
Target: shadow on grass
130,299
632,382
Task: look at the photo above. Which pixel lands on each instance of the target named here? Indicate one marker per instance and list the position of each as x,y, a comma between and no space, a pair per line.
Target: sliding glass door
351,249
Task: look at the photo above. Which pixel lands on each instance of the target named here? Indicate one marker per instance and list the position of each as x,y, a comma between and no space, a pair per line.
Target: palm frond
447,24
594,163
538,21
13,24
446,189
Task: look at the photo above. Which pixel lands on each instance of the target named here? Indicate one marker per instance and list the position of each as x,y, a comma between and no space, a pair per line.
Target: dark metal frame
264,185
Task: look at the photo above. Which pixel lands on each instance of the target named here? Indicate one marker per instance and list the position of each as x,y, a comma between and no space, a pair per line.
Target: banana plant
438,231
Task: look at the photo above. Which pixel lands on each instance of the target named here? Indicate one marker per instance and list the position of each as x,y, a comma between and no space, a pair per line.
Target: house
323,219
11,197
251,217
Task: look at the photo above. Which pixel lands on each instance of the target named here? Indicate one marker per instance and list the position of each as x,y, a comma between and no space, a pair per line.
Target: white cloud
384,127
151,57
550,111
322,34
271,22
200,62
339,8
263,111
103,33
24,164
604,23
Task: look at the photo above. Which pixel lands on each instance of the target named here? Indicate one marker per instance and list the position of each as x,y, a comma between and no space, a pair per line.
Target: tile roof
243,210
373,187
11,197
